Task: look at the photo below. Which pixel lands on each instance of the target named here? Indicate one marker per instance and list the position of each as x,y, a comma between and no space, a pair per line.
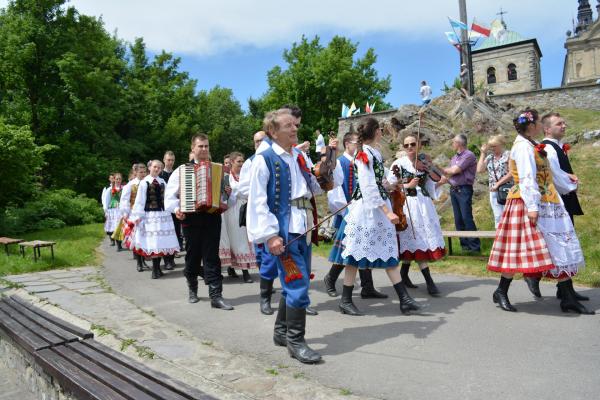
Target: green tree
319,79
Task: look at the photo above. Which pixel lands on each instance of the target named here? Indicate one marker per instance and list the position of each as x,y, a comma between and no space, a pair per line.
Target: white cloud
205,27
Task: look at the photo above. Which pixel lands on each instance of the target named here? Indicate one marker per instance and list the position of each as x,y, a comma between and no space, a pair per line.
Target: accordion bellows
202,188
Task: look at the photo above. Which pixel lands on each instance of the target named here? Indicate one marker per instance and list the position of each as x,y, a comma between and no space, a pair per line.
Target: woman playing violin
422,241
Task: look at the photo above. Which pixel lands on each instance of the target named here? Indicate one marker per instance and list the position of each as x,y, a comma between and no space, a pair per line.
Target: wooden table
36,245
466,234
6,241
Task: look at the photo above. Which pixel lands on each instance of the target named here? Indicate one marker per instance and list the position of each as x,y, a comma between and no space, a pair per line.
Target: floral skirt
113,216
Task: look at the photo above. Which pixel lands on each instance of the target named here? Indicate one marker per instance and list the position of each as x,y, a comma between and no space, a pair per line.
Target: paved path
462,347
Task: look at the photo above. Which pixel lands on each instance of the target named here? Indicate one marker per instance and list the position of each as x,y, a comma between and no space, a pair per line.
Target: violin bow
412,226
318,224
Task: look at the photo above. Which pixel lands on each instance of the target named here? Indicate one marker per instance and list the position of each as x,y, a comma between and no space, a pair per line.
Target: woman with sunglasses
369,238
422,240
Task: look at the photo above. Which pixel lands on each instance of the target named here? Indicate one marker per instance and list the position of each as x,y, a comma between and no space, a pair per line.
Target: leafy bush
50,210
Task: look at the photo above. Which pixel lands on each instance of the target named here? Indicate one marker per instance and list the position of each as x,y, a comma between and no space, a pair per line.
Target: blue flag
457,24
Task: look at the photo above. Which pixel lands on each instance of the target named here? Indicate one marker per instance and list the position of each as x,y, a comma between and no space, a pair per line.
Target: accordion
202,188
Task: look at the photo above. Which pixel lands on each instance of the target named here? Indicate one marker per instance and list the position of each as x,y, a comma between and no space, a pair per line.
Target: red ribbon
302,163
362,156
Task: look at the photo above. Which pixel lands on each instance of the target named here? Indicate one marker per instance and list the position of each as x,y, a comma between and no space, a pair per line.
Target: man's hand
180,216
443,180
305,147
533,217
333,143
275,245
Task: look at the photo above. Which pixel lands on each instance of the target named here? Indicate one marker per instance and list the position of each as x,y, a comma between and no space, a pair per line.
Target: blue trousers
267,263
296,291
462,201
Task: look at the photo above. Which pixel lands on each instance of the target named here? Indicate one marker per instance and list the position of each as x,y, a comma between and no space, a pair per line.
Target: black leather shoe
246,276
501,299
193,296
368,288
346,305
330,286
407,303
311,311
296,345
569,302
138,259
169,263
534,286
156,273
578,297
231,273
219,302
405,278
266,290
280,330
431,287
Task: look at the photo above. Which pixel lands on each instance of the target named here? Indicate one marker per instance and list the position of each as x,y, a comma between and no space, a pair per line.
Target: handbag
503,189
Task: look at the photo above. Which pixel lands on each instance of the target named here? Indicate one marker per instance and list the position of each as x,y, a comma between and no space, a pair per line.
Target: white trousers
496,208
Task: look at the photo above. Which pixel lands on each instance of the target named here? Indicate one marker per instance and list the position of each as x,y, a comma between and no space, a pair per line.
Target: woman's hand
484,148
228,190
495,187
533,217
394,219
412,184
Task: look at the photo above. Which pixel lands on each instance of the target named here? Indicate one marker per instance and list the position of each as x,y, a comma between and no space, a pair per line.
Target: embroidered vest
134,189
570,200
407,176
349,177
379,170
543,179
115,196
279,190
155,197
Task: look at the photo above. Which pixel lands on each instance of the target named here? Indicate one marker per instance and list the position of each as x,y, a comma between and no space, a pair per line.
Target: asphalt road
461,347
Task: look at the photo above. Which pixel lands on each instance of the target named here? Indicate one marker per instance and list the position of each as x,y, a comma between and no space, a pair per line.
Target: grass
75,247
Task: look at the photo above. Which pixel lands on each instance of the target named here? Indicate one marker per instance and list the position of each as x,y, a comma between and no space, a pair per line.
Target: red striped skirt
519,247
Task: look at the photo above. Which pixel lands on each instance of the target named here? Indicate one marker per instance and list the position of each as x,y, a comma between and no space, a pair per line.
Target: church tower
585,16
582,62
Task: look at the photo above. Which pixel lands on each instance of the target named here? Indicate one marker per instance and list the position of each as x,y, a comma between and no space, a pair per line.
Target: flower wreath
525,117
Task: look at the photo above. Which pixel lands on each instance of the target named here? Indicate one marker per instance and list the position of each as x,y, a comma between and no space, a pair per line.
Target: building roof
500,36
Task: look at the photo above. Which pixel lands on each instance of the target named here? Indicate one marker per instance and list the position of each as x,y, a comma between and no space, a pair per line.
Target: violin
424,163
323,170
398,197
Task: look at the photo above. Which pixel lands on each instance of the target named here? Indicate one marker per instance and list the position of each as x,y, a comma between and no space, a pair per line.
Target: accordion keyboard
187,189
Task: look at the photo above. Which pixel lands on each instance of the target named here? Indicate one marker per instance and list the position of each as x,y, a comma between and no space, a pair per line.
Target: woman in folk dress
422,240
155,235
111,200
535,235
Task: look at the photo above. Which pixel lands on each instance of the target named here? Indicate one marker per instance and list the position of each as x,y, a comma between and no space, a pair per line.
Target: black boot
138,259
404,275
231,273
331,278
346,305
280,331
112,241
246,276
169,262
501,295
569,302
311,311
431,288
119,246
407,303
296,345
156,268
266,290
215,292
368,288
578,297
193,291
534,286
201,272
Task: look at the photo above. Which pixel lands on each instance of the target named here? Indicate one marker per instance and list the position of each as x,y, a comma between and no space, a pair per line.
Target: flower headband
525,117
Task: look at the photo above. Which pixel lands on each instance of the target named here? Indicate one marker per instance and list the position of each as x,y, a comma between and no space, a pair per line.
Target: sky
233,43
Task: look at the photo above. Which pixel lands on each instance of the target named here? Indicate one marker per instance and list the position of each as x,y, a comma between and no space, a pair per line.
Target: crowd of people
385,218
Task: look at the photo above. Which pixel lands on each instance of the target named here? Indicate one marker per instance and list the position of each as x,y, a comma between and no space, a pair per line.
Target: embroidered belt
302,203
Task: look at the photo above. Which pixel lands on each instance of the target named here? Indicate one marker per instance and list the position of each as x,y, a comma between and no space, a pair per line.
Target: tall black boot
404,275
156,268
331,278
231,272
246,276
534,285
431,287
346,305
215,291
169,262
119,246
138,259
368,288
266,290
112,241
407,303
201,272
569,302
578,297
296,345
193,290
280,331
501,295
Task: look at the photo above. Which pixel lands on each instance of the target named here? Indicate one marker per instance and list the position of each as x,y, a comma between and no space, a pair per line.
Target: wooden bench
6,241
82,366
36,245
467,234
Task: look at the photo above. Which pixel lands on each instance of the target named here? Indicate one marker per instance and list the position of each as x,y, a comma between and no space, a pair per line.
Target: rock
596,144
591,135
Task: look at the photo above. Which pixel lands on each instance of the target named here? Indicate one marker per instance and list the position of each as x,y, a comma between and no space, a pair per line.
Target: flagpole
466,51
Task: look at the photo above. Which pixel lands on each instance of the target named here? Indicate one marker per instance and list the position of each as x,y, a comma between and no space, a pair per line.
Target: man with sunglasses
461,175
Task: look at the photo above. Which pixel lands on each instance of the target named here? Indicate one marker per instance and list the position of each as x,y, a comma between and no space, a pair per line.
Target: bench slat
42,332
126,369
57,330
82,333
21,335
103,374
72,379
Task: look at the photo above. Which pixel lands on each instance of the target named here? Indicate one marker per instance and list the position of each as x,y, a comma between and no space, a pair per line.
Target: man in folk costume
564,180
126,205
202,232
337,199
535,234
165,174
278,217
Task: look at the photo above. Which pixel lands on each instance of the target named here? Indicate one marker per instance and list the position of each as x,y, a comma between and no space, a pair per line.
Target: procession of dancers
264,216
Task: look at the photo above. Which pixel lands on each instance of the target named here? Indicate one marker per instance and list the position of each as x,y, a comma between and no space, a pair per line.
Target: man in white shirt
425,93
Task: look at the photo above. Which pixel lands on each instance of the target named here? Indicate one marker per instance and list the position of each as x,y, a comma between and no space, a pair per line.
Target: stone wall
584,97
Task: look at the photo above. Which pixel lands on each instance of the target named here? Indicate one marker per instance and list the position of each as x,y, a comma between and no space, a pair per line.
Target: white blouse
366,179
405,163
124,203
522,153
562,182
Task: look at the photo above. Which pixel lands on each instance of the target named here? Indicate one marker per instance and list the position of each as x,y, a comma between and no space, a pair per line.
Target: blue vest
279,190
347,167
